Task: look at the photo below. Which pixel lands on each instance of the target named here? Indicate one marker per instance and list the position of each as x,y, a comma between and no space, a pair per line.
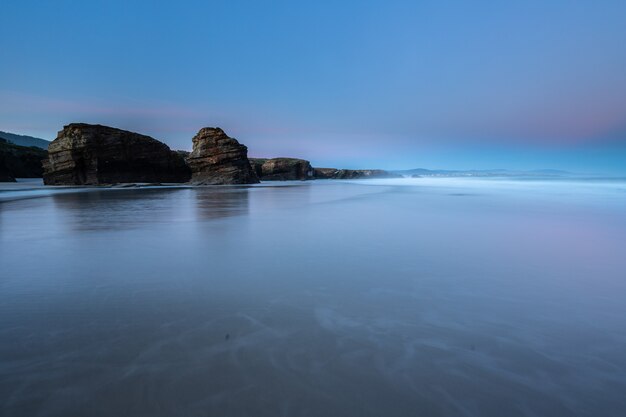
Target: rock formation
324,173
350,174
218,159
20,161
364,173
184,154
5,176
282,169
84,154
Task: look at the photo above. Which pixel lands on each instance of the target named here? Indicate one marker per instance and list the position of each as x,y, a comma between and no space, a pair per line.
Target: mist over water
429,297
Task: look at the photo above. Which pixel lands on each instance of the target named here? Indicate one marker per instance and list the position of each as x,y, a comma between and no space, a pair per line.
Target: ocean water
409,297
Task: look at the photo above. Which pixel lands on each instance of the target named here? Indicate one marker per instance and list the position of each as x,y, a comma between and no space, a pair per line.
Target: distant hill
20,161
23,140
421,172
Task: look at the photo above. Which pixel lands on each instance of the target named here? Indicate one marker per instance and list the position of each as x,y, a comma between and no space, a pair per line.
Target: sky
353,84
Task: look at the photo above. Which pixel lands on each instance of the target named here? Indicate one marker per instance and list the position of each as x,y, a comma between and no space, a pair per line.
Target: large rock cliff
84,154
219,159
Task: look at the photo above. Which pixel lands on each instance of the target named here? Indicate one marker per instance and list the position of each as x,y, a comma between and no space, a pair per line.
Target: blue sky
389,84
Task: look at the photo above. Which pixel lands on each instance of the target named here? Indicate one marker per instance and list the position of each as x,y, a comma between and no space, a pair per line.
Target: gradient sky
356,84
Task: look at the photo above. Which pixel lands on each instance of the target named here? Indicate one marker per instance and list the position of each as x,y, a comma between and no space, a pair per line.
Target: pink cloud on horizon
573,125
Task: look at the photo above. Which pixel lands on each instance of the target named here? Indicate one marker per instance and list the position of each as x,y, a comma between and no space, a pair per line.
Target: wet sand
383,297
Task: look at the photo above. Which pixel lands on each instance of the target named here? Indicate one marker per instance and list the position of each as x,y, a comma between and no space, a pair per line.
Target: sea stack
86,154
218,159
282,169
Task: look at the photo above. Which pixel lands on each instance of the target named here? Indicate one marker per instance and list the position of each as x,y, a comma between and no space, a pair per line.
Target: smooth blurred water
410,297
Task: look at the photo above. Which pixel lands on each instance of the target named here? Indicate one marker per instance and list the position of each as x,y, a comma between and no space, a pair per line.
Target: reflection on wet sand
217,202
121,209
135,208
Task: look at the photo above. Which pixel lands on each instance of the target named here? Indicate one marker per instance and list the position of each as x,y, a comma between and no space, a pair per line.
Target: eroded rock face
218,159
85,154
351,174
282,169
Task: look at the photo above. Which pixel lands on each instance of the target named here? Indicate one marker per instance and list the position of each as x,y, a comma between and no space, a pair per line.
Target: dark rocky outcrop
350,174
5,176
184,154
219,159
85,154
364,173
282,169
20,161
324,173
